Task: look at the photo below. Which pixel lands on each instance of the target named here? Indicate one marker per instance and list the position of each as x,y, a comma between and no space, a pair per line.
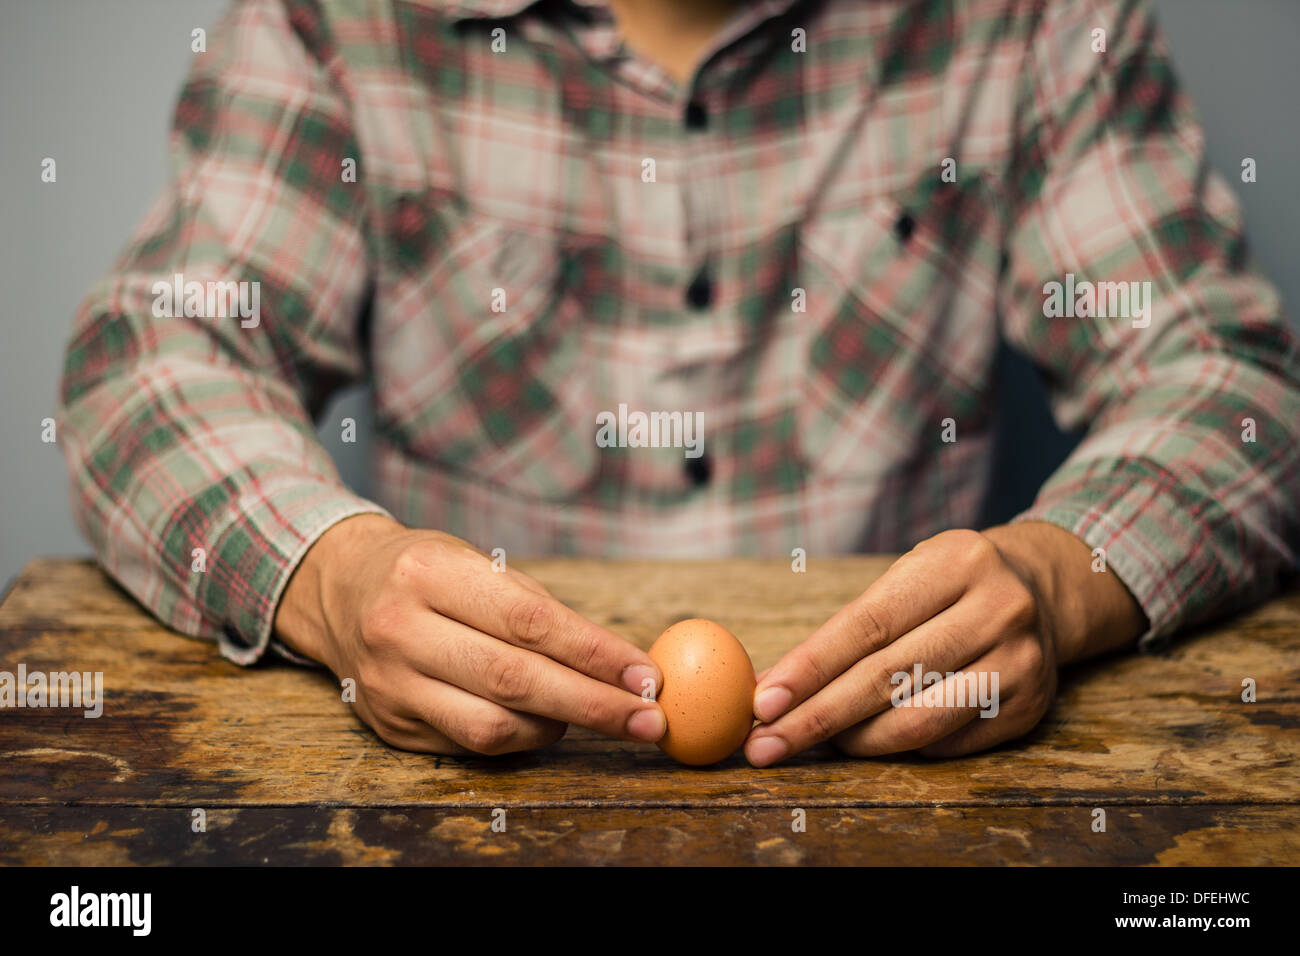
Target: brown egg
708,691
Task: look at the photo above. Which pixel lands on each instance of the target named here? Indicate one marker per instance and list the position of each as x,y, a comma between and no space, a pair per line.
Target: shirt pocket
480,370
899,330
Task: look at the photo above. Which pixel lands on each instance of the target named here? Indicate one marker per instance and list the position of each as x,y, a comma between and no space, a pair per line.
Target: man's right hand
450,656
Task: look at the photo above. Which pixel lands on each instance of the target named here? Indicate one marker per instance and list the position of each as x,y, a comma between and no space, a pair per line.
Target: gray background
92,83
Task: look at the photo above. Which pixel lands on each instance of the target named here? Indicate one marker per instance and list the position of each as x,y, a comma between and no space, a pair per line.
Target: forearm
1188,477
187,420
199,502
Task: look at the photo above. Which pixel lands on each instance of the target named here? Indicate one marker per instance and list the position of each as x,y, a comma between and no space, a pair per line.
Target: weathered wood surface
423,835
1186,771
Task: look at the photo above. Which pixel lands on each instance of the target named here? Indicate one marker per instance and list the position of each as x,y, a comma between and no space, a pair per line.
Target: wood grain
421,835
1166,737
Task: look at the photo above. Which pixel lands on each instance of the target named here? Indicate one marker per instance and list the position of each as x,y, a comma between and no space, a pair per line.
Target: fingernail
648,724
766,750
638,677
772,703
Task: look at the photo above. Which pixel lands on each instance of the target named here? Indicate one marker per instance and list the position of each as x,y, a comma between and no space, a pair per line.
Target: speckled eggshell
708,691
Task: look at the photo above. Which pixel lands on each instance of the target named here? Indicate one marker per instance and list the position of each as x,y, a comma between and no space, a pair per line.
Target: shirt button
699,469
699,294
904,227
697,117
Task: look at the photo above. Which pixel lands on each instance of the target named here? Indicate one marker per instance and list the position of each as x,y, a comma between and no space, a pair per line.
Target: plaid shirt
814,245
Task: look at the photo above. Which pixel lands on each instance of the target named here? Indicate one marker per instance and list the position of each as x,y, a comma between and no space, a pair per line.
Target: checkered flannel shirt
814,245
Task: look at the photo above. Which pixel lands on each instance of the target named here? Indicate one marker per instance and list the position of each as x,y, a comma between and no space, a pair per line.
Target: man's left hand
1015,601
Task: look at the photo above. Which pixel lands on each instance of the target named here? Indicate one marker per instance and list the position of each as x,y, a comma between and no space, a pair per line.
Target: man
801,225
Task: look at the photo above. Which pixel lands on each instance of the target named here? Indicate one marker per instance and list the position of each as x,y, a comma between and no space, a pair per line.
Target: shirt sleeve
187,419
1188,477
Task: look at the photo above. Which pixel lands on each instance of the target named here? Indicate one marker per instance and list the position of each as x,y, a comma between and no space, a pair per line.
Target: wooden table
285,773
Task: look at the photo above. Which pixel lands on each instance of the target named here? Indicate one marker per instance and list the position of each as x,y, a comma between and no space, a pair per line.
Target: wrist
306,617
1084,612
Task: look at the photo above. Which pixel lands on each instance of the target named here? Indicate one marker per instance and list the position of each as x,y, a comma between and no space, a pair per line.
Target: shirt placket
684,214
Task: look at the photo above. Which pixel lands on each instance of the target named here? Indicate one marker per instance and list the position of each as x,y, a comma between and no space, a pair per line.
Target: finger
496,604
472,723
406,733
922,583
973,737
527,581
925,716
1027,695
528,682
418,737
953,638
